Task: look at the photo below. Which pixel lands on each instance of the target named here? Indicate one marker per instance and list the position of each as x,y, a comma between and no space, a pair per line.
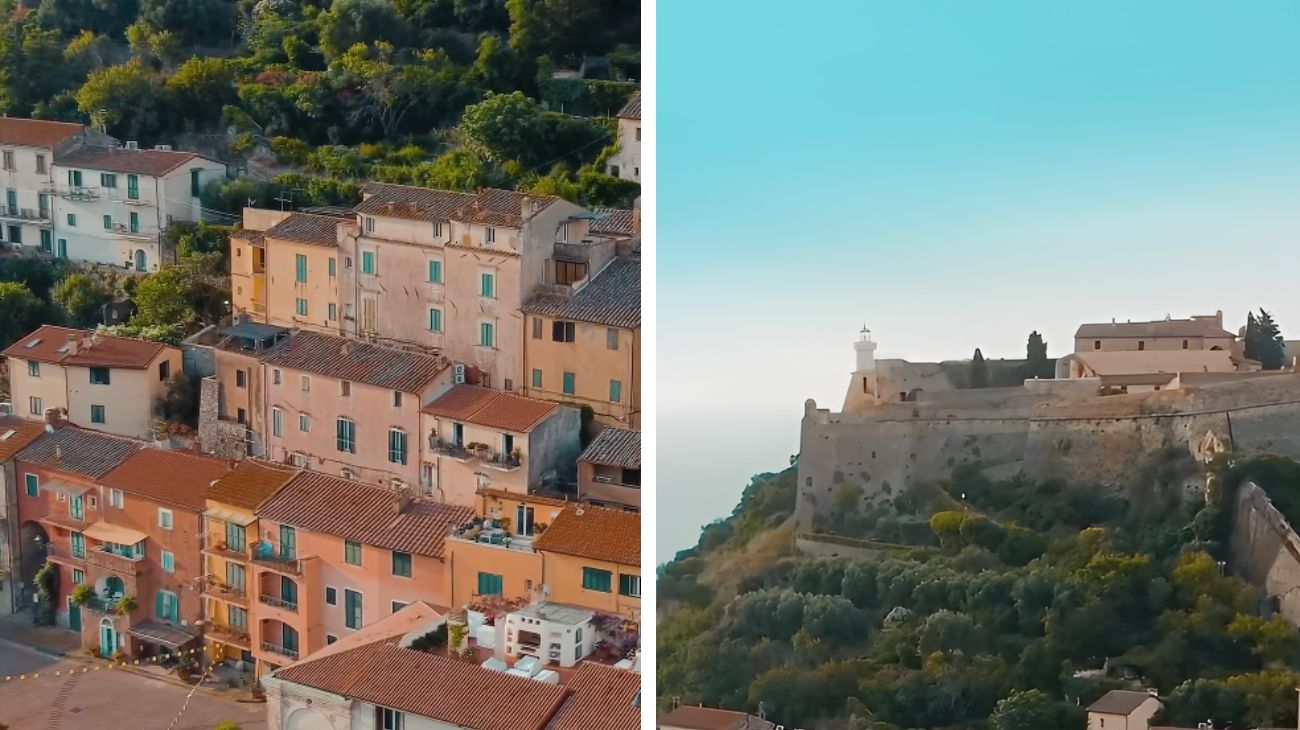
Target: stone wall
1265,550
216,436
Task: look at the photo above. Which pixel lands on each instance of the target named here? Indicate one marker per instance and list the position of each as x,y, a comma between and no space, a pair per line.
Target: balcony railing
279,602
64,554
499,461
25,214
124,564
448,448
72,192
274,561
230,635
222,550
277,649
225,592
494,536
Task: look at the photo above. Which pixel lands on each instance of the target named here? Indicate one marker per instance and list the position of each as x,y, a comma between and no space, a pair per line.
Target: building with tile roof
16,434
1199,332
232,389
378,674
626,162
584,343
616,222
102,382
687,717
448,271
339,404
1124,709
367,549
474,438
609,469
113,203
300,263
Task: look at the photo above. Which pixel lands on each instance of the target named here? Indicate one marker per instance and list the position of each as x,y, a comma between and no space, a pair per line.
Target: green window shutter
615,391
435,320
160,605
194,183
132,187
489,584
135,222
537,378
33,485
300,268
594,579
333,265
435,272
569,383
486,287
108,222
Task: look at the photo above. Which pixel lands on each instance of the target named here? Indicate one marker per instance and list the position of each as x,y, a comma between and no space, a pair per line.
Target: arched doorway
110,640
141,260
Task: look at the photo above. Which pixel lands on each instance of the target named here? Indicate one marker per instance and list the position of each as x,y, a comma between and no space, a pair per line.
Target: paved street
107,699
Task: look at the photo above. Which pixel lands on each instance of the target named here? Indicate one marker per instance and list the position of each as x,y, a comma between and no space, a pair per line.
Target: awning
230,516
66,488
160,633
105,532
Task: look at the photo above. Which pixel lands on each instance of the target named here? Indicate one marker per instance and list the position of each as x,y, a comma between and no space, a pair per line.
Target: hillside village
1096,540
416,449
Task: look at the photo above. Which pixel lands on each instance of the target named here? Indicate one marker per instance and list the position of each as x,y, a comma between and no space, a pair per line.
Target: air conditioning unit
604,479
458,373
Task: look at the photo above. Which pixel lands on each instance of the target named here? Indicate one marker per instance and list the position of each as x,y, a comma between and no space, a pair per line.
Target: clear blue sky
954,174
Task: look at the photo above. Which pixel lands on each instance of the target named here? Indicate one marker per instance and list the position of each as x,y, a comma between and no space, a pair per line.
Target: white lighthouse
863,386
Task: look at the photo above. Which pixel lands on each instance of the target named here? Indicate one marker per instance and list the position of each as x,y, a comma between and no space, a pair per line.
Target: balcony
65,555
126,565
72,192
282,565
611,493
490,533
221,550
123,231
498,461
278,602
31,215
225,592
277,649
449,449
230,636
63,521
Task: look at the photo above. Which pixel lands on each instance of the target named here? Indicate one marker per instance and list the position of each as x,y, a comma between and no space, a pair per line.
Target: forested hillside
443,93
983,605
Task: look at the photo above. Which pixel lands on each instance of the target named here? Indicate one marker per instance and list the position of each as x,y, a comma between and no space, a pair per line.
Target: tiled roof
615,447
49,344
604,698
612,298
404,201
364,513
430,685
174,477
250,484
708,718
529,498
1120,702
598,533
1159,328
501,207
492,408
77,450
116,159
16,434
632,109
36,132
359,362
318,230
613,222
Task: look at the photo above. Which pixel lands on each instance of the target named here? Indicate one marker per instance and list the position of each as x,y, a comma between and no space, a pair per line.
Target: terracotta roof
16,434
615,447
431,685
612,298
604,698
1120,701
36,132
116,159
364,513
80,451
593,532
318,230
501,207
708,718
1160,328
632,109
491,408
613,222
404,201
359,362
529,498
49,344
250,484
180,478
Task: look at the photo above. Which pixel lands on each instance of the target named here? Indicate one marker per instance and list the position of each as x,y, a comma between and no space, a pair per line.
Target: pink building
347,407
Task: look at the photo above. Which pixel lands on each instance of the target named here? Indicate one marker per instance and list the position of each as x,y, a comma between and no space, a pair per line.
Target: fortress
903,423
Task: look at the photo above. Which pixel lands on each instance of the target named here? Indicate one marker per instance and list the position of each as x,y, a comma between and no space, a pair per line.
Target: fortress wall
1265,550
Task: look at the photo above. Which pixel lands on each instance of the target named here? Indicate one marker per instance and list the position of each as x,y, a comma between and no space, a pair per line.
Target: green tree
83,298
195,21
1036,354
565,30
979,371
1265,342
349,22
127,98
947,526
19,312
1032,710
502,126
201,87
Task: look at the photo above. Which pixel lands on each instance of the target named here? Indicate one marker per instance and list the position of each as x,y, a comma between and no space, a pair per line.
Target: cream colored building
626,163
1201,332
1135,371
28,148
476,438
284,269
1121,709
102,382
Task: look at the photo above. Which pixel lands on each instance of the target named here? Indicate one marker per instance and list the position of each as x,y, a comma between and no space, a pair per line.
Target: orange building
337,554
609,470
230,531
18,562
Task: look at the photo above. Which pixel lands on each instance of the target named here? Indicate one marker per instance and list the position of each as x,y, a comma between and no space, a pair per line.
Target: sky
952,175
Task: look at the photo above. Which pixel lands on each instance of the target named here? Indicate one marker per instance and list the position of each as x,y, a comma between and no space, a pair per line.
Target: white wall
27,184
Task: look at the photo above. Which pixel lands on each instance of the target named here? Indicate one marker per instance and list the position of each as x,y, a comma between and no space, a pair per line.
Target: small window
437,229
1096,344
333,266
164,370
569,384
164,518
301,307
435,320
98,414
537,328
537,378
489,584
435,272
611,338
397,399
306,383
352,552
277,422
568,272
194,182
275,376
32,484
1142,345
304,422
40,164
486,335
34,368
9,160
490,235
401,564
629,585
168,562
72,219
241,378
108,222
1184,344
615,391
594,579
563,331
332,312
370,224
399,605
34,405
345,388
300,268
78,576
115,498
99,376
368,262
487,285
331,596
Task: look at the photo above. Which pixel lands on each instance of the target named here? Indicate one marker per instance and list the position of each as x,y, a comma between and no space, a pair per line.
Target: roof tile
49,344
36,132
612,298
492,408
604,698
360,362
615,447
80,451
632,109
318,230
153,163
501,207
594,532
404,201
250,483
174,477
17,434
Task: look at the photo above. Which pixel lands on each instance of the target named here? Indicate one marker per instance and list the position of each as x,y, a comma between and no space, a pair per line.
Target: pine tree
1251,340
979,371
1269,349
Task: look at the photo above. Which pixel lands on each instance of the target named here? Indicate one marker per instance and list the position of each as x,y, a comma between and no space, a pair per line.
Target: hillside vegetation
1013,607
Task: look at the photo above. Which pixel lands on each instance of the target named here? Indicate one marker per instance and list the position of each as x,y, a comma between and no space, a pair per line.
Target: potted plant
125,605
539,527
119,656
81,595
515,455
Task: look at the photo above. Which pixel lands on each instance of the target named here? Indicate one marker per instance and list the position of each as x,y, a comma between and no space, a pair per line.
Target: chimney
344,349
71,347
403,500
54,418
1218,318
